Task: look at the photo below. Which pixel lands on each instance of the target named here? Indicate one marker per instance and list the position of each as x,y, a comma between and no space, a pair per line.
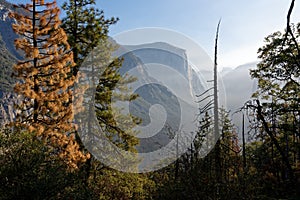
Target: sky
244,24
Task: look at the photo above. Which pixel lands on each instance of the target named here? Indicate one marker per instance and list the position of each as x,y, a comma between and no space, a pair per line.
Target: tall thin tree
45,78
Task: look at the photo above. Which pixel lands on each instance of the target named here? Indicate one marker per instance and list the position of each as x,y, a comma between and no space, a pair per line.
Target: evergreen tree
112,87
87,31
45,78
86,27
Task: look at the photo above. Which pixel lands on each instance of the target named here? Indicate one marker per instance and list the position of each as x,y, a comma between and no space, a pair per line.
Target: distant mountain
184,83
8,57
225,70
8,35
164,78
239,86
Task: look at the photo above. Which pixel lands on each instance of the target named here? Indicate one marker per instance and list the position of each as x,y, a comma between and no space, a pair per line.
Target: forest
42,155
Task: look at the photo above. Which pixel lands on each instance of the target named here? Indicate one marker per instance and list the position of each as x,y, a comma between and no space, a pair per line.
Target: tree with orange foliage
45,79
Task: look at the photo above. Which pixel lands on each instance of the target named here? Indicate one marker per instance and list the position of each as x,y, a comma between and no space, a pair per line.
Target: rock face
7,111
6,32
8,57
164,78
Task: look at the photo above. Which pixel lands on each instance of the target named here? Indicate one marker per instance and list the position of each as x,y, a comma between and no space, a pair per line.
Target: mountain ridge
237,81
8,57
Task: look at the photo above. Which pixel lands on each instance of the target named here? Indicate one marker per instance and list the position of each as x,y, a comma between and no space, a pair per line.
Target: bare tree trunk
216,118
216,100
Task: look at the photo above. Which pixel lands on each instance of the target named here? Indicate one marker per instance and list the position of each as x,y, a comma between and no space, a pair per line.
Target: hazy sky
243,28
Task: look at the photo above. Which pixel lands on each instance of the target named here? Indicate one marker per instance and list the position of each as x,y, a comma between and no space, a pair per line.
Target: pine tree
87,31
86,27
45,79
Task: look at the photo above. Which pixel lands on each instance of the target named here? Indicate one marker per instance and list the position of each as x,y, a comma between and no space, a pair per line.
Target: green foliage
29,170
111,88
274,157
87,31
87,34
279,71
199,177
85,26
111,184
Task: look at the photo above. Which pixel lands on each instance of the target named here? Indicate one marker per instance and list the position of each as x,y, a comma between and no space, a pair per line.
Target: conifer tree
109,83
86,27
45,78
87,31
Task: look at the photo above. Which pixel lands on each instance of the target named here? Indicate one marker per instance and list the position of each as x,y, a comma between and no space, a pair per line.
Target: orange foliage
46,80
